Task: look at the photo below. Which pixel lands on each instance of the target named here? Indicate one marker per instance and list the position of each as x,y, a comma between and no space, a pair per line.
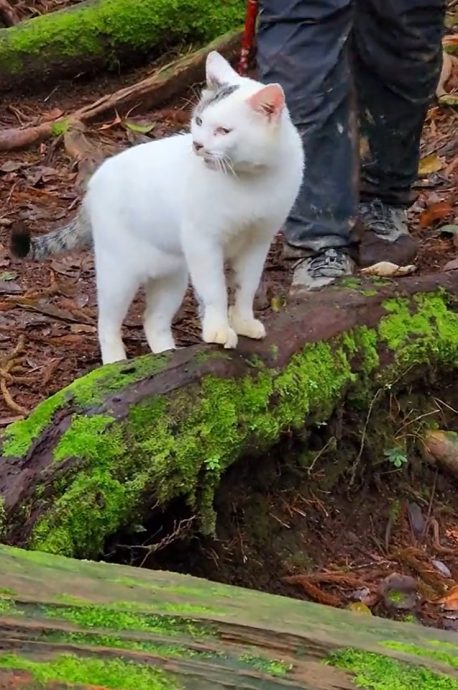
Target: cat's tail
77,234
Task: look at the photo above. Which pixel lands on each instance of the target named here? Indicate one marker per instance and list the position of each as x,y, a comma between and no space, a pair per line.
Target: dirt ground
339,549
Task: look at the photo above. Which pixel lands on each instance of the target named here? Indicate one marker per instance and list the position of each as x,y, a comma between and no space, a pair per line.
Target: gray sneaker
386,235
389,222
314,272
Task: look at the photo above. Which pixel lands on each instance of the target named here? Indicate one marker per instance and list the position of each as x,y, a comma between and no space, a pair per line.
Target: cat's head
237,124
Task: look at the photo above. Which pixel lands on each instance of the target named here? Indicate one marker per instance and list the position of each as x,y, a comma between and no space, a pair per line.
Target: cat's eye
199,121
222,130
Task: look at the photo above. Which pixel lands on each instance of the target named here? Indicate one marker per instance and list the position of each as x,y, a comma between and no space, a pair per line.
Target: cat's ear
219,71
268,101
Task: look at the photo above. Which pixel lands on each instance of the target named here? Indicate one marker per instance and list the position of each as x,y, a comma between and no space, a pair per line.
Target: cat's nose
197,147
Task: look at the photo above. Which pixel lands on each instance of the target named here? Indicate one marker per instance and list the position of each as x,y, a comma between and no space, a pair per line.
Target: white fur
159,211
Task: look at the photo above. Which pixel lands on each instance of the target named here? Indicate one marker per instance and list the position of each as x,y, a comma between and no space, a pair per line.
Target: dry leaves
387,269
430,164
434,212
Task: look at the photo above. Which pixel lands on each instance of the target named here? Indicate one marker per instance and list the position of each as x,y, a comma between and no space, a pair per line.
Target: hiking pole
249,33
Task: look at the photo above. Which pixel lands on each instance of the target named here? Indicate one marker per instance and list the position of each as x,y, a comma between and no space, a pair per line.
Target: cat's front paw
221,334
250,328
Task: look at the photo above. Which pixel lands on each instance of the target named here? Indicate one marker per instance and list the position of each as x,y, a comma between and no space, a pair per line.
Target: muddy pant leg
397,66
303,45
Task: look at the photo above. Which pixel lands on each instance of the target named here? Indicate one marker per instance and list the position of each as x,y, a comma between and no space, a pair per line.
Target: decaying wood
172,424
65,623
93,35
160,86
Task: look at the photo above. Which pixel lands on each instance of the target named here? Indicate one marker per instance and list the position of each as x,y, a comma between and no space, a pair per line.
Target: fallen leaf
8,275
10,166
449,99
359,607
435,212
450,229
82,328
430,164
277,303
139,127
441,568
9,288
387,269
416,519
451,265
450,601
447,67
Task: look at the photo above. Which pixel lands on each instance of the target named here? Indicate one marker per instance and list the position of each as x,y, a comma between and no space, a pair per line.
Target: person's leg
397,61
304,47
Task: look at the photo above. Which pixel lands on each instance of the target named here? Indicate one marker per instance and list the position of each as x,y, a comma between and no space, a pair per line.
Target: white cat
186,204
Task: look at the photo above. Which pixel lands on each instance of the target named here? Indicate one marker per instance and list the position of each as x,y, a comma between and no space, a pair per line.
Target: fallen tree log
66,623
157,88
125,439
107,33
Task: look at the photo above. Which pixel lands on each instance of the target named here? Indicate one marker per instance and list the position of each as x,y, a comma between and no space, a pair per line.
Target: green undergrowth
448,657
378,672
185,441
119,617
105,30
107,673
272,667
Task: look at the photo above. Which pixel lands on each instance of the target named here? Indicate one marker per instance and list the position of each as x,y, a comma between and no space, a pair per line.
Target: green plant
396,456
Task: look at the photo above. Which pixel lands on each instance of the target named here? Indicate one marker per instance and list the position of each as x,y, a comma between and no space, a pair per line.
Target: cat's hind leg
115,292
164,296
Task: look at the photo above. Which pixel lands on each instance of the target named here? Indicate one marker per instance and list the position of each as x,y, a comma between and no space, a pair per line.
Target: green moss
102,32
18,437
419,332
437,654
6,592
116,618
60,127
273,667
88,390
377,672
107,673
98,640
184,442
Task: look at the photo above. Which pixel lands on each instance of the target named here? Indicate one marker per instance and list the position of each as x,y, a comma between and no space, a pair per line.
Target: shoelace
330,260
378,212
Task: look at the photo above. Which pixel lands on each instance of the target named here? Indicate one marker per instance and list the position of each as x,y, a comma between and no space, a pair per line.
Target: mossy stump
76,624
108,33
129,439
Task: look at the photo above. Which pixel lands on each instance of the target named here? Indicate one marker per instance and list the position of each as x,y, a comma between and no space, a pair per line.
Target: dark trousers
344,65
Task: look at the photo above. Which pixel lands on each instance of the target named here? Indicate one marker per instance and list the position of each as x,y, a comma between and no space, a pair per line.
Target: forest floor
48,338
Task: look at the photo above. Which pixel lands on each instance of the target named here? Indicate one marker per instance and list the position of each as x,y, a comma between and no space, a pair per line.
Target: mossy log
73,624
107,33
103,453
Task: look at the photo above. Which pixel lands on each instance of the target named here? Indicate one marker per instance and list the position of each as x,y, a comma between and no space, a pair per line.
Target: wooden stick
159,87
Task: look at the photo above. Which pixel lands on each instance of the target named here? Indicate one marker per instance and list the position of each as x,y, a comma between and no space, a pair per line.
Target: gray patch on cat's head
211,96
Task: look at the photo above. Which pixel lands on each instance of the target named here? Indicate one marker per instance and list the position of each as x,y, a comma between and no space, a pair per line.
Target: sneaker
314,272
386,236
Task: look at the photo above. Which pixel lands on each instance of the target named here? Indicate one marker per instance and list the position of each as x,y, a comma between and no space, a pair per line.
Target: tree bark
128,438
107,33
67,623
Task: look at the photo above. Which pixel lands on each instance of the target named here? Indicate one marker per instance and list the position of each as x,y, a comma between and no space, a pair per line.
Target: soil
274,522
